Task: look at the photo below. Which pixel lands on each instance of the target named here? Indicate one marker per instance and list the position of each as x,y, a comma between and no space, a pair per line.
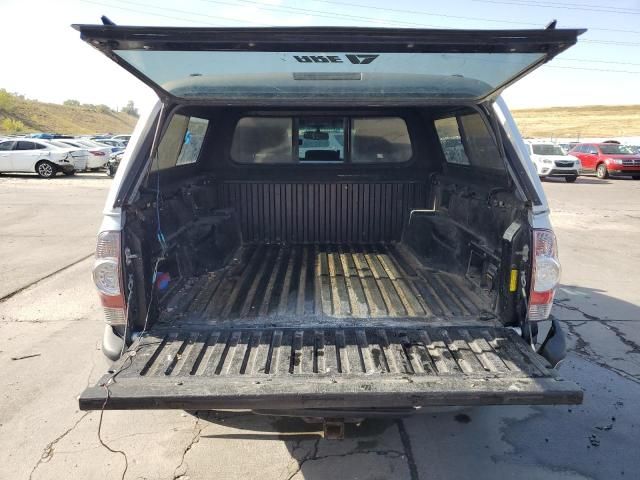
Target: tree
131,109
102,108
71,103
12,126
6,100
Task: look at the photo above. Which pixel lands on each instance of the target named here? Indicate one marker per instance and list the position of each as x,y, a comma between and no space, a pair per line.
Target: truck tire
46,169
570,179
601,172
636,177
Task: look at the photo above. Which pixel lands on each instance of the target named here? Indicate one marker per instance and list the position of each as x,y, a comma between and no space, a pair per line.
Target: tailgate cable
112,377
125,364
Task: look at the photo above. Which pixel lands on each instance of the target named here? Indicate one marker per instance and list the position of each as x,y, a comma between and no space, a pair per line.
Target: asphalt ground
51,328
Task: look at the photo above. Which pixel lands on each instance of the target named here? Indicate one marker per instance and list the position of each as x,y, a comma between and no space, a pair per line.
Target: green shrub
7,100
12,126
71,103
103,108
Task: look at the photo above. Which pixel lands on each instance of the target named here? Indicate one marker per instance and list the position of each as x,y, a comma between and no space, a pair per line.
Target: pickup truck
327,222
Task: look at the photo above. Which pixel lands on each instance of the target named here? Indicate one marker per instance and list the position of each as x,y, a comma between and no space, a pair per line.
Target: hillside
568,122
577,122
50,117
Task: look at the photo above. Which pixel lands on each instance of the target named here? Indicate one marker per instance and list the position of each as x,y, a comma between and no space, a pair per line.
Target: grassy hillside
586,121
573,122
33,116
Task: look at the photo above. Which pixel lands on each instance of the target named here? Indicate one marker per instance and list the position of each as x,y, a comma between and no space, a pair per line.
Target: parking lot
51,328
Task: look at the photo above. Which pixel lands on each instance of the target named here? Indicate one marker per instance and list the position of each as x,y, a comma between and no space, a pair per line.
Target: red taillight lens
545,275
97,153
107,277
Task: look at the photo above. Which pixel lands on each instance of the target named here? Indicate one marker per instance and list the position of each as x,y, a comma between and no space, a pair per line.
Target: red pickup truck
607,159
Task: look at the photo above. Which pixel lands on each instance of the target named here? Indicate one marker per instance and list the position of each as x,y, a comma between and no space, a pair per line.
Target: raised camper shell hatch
327,361
363,65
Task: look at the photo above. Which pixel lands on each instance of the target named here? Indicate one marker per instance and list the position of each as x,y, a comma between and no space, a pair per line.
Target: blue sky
43,57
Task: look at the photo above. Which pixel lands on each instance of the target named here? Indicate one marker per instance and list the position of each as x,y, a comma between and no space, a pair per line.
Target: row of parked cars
48,155
605,159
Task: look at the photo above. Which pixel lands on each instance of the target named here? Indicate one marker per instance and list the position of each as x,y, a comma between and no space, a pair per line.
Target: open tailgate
328,368
326,64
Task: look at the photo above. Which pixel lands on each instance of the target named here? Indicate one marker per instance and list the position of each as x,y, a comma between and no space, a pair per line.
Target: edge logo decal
357,59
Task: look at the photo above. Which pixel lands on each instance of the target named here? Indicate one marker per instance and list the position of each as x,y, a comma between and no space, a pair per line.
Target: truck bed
312,284
311,327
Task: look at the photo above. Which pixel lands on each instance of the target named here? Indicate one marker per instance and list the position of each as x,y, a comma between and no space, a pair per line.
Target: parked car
80,155
98,154
114,163
607,159
123,138
116,145
551,161
39,156
349,240
565,147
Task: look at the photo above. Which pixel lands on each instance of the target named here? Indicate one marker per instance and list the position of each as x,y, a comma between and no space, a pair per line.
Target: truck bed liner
271,368
316,283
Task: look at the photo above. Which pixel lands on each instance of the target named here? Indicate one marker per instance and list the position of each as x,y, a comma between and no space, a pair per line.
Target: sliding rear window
466,140
321,140
182,141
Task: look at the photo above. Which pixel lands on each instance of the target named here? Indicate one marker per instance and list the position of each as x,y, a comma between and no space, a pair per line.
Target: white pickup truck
327,222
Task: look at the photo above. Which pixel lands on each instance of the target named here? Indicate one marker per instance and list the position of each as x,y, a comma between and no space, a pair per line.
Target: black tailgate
212,368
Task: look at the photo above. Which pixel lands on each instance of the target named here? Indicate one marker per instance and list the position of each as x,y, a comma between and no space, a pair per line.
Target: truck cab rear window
325,139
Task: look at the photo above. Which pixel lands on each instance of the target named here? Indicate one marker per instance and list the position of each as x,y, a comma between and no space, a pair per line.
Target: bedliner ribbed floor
343,281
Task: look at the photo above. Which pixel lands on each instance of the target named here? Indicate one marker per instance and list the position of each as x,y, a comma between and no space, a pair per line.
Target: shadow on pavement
574,303
100,175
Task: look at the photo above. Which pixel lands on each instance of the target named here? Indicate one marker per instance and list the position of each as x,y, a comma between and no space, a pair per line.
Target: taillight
107,277
545,275
97,153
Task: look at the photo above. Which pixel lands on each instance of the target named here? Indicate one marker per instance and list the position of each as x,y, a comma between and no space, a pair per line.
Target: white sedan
39,156
98,154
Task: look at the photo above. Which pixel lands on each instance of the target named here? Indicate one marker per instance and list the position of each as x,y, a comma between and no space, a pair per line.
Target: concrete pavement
46,224
44,436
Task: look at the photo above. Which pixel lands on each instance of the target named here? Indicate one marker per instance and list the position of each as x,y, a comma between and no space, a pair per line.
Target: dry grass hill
19,115
572,122
580,122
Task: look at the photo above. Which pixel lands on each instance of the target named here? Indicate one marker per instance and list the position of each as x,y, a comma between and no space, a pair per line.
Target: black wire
105,385
586,8
461,17
102,442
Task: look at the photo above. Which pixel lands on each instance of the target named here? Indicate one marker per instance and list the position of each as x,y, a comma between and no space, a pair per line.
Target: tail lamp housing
545,275
107,276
